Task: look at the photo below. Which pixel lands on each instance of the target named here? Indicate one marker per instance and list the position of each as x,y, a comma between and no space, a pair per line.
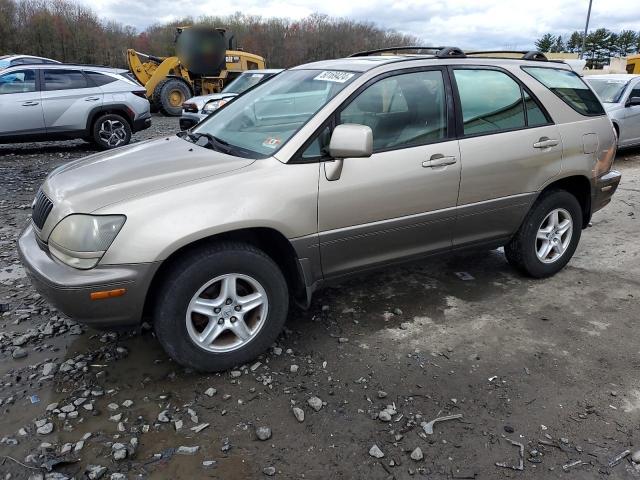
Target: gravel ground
549,367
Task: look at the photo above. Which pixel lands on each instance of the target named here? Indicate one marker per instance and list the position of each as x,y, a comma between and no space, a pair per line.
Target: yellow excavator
633,64
205,62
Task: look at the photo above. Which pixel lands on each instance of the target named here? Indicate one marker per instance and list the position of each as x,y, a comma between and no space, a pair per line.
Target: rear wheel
110,131
221,306
169,95
549,235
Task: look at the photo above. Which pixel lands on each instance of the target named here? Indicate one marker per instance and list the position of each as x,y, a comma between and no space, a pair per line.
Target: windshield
4,63
244,82
609,91
258,123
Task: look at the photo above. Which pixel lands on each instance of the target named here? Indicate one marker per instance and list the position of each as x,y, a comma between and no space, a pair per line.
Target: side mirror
633,101
350,140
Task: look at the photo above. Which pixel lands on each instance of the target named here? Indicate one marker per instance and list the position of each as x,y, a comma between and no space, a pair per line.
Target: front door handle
91,99
546,142
439,160
30,103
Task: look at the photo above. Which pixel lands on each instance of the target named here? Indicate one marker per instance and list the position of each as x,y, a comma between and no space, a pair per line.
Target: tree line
600,45
72,33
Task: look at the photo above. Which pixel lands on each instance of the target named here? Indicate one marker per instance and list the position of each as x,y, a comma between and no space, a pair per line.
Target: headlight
213,105
81,240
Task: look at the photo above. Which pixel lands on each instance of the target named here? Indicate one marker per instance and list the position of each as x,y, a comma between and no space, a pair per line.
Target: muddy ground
551,364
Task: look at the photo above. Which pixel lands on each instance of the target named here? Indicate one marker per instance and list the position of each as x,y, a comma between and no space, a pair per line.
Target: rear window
569,87
99,79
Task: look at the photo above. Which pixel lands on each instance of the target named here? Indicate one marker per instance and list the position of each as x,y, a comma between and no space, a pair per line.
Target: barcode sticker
334,76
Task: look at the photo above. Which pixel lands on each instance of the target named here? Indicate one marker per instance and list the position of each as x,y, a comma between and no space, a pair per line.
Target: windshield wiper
207,140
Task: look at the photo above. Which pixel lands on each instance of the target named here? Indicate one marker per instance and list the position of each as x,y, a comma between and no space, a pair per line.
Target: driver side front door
400,202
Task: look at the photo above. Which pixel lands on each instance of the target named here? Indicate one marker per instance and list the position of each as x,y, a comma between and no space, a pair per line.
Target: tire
526,251
201,275
169,95
110,131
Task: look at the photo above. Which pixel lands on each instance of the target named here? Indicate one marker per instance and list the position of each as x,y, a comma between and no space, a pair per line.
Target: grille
41,209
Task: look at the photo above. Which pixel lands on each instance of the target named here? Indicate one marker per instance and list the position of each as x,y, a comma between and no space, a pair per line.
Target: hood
110,177
612,107
203,99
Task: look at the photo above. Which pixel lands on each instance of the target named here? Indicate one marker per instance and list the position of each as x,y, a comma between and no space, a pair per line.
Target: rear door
630,128
400,202
20,105
509,148
68,97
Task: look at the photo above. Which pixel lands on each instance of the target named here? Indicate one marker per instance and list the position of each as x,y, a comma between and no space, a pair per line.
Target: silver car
198,108
12,60
327,170
620,95
56,102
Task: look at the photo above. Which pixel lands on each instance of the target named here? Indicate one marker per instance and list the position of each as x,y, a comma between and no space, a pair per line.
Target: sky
464,23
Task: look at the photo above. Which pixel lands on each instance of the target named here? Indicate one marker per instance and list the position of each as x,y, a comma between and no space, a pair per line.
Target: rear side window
491,101
569,87
64,80
99,79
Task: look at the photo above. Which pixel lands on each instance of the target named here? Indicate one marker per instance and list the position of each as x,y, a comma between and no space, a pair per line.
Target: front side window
609,91
491,101
258,123
635,92
402,110
569,87
64,80
18,81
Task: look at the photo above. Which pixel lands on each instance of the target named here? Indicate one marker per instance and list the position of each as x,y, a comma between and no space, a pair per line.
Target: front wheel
220,306
549,235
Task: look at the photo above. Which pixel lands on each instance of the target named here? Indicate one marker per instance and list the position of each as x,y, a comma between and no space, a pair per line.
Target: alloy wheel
227,312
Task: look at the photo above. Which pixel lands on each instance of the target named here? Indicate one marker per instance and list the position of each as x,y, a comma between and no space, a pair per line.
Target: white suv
57,102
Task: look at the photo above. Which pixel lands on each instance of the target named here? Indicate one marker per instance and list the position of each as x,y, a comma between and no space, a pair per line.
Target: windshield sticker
334,76
272,142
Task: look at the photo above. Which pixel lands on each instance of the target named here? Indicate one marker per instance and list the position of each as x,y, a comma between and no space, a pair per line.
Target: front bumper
141,123
189,119
603,189
69,289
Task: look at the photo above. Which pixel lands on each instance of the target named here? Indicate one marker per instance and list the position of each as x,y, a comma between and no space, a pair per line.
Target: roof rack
524,54
439,52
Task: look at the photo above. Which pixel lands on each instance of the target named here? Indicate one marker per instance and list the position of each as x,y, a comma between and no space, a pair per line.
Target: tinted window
402,110
491,101
535,115
64,80
99,79
635,92
20,81
569,87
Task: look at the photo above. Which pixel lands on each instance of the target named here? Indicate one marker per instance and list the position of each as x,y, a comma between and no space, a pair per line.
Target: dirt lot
552,365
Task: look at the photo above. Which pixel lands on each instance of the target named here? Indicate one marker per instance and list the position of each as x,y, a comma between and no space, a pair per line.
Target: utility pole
586,28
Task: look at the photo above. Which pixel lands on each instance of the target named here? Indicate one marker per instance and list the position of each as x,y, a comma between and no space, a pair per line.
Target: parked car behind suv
12,60
198,108
327,170
620,95
55,102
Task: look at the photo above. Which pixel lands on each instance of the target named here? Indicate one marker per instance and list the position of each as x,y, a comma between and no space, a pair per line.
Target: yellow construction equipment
205,61
633,64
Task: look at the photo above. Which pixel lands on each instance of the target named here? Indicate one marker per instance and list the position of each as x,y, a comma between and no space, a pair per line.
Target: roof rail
524,54
440,52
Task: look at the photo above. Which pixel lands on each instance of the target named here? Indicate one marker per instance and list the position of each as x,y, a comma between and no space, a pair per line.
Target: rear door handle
30,103
439,160
91,99
545,142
